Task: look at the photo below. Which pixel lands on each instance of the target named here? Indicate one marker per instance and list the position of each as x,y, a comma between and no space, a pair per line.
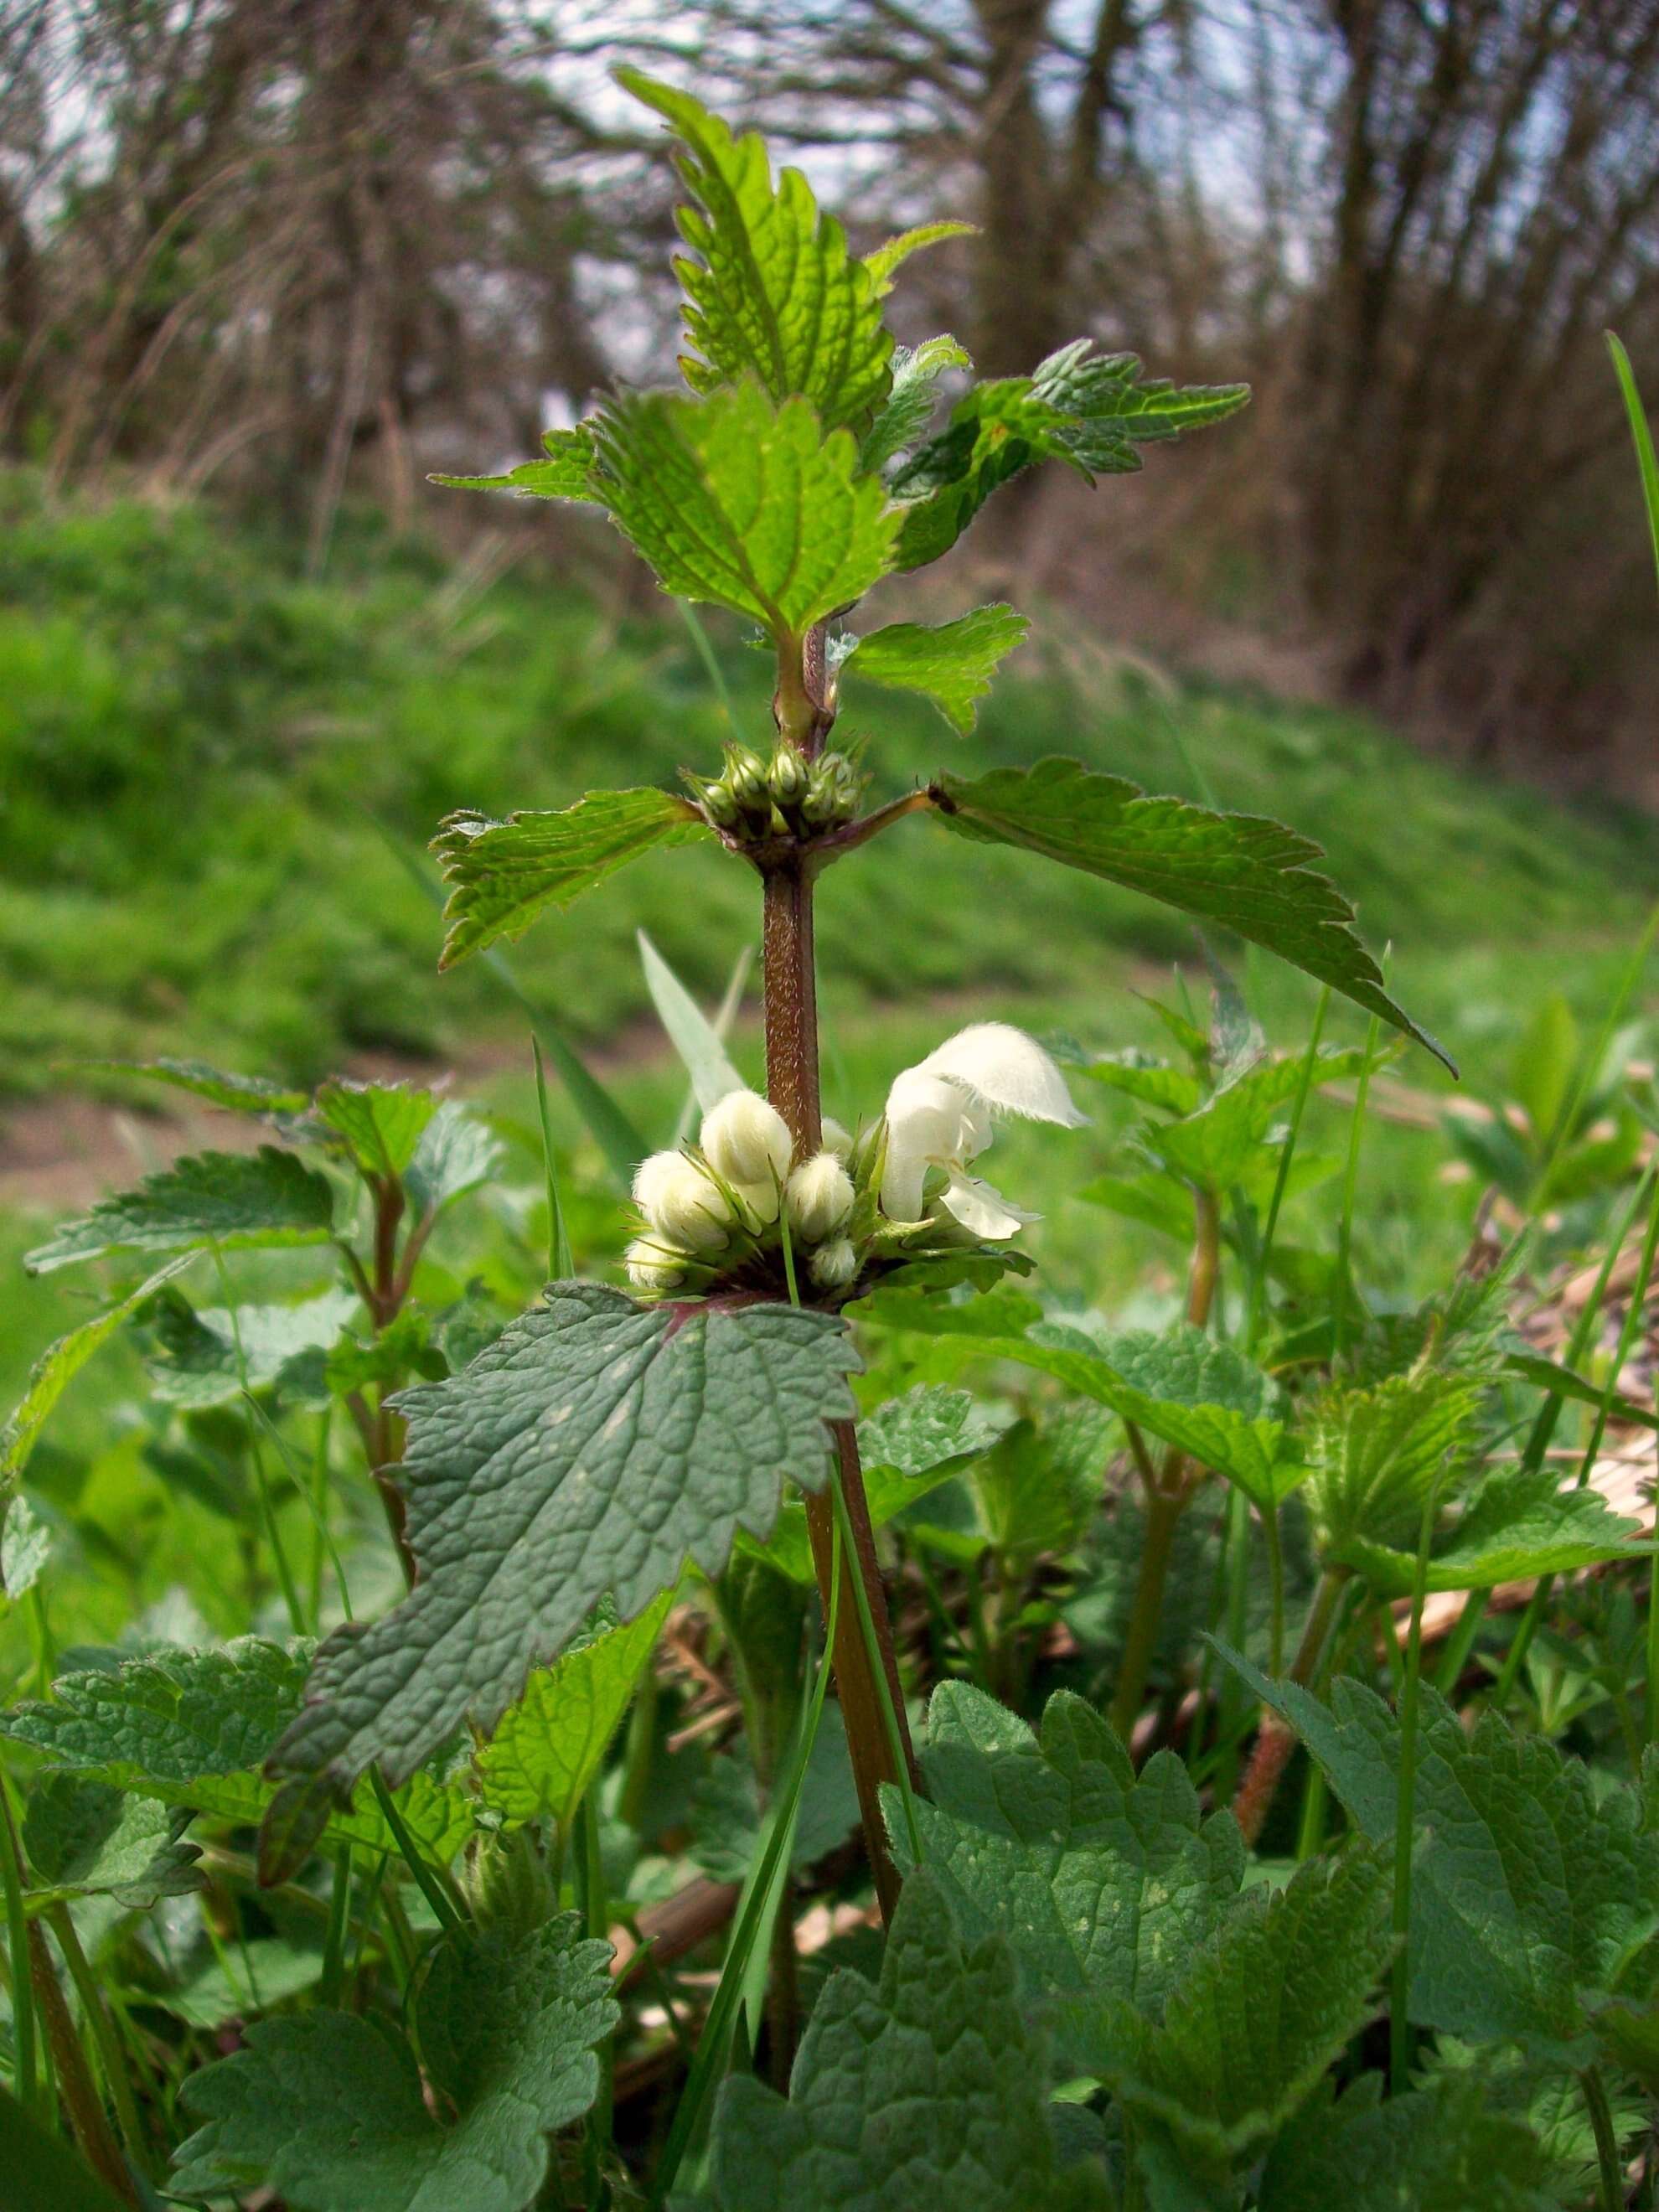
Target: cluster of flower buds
786,796
719,1208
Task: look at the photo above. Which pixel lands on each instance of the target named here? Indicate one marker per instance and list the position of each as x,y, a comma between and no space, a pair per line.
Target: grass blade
691,1034
1643,436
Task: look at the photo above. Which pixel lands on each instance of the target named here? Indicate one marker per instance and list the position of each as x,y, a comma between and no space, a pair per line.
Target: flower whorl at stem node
833,1266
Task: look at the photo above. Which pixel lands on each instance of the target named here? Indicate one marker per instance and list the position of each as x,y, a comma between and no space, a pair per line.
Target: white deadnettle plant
708,1212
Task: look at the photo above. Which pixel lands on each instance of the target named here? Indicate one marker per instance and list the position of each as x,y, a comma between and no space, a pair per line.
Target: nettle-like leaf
1202,1396
58,1365
747,506
953,663
1259,2014
1242,871
567,472
589,1452
1040,1489
380,1124
550,1746
1090,411
84,1838
887,259
457,1153
774,294
238,1201
1211,1145
1534,1892
906,1448
197,1356
1141,1076
25,1547
1517,1525
927,2089
1104,1882
194,1728
1440,2150
325,2109
909,404
503,874
1375,1452
237,1094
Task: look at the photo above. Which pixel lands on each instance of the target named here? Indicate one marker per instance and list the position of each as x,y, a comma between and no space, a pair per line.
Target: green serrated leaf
380,1123
1517,1526
193,1356
746,507
905,1448
503,874
43,2174
1040,1490
57,1366
1242,871
84,1838
456,1154
927,2089
1213,1146
886,258
194,1728
549,1747
238,1094
566,473
1535,1891
1375,1451
589,1452
1090,411
237,1200
1441,2150
909,405
774,295
953,663
325,2109
1251,2027
1201,1396
1152,1082
1104,1883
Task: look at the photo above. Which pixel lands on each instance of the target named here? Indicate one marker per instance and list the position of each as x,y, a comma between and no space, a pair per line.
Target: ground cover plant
483,1832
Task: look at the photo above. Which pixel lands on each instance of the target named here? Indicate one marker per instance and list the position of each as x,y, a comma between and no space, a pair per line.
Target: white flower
747,1141
681,1202
832,1267
655,1267
939,1115
820,1197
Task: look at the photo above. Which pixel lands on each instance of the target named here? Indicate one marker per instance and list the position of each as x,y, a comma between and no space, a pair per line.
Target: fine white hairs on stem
747,1141
819,1196
939,1115
681,1202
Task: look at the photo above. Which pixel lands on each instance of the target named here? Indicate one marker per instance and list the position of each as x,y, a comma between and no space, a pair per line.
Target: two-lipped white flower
940,1113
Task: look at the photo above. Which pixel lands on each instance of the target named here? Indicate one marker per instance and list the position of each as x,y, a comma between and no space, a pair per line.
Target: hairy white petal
820,1197
1007,1070
746,1140
681,1202
984,1211
930,1123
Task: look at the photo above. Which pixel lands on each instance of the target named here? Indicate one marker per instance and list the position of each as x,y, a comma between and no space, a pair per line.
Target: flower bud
745,778
718,804
653,1265
681,1203
787,777
820,1196
746,1141
832,1267
760,1199
822,805
509,1885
